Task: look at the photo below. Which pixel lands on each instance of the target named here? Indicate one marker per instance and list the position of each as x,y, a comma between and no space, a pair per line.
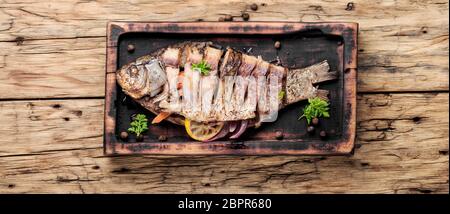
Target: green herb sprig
202,67
316,108
281,95
139,124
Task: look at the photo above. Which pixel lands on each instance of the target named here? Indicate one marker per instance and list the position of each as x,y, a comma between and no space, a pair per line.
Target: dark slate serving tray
303,44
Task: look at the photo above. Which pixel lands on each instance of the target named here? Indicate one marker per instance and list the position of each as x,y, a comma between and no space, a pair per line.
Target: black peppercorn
228,18
130,48
245,16
323,134
350,6
310,129
254,7
315,121
124,135
277,44
279,135
162,138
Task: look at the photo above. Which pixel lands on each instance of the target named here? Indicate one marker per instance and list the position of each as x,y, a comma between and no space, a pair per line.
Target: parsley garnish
139,124
316,108
202,67
281,95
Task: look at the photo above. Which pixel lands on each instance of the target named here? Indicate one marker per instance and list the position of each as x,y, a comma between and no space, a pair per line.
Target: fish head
144,77
133,80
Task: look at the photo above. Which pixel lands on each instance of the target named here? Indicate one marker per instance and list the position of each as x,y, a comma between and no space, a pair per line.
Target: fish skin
233,63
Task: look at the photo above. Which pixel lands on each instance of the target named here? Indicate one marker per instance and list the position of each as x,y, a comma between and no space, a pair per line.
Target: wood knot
30,105
350,6
307,161
78,113
421,190
443,152
121,170
424,30
364,164
19,40
11,186
416,119
316,7
34,118
62,179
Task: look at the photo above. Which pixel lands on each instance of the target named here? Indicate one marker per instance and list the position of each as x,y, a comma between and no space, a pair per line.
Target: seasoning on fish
200,83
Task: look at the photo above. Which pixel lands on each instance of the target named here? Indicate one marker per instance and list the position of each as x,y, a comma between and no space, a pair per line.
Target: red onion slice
225,130
233,126
242,128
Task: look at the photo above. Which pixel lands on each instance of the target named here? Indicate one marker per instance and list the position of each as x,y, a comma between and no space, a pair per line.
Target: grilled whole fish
239,89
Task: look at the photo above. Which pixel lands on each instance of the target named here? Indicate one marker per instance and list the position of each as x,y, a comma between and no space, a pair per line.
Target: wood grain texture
402,148
57,50
37,126
52,68
403,43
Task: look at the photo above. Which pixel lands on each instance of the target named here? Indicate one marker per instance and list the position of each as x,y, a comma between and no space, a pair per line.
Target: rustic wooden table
52,61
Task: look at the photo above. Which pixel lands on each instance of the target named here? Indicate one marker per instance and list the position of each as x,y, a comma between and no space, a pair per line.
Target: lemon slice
202,131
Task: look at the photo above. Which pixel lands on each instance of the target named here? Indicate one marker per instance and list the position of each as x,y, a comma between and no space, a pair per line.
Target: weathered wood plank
403,44
32,126
53,68
402,147
87,171
56,49
33,19
75,68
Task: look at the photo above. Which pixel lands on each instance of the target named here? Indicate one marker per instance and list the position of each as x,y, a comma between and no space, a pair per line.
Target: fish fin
318,73
162,95
160,117
321,72
325,76
299,82
322,94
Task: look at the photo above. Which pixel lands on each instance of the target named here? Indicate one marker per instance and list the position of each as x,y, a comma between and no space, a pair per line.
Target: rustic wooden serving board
303,44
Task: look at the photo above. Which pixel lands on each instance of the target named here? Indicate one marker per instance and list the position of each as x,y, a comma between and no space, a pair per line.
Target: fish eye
134,71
